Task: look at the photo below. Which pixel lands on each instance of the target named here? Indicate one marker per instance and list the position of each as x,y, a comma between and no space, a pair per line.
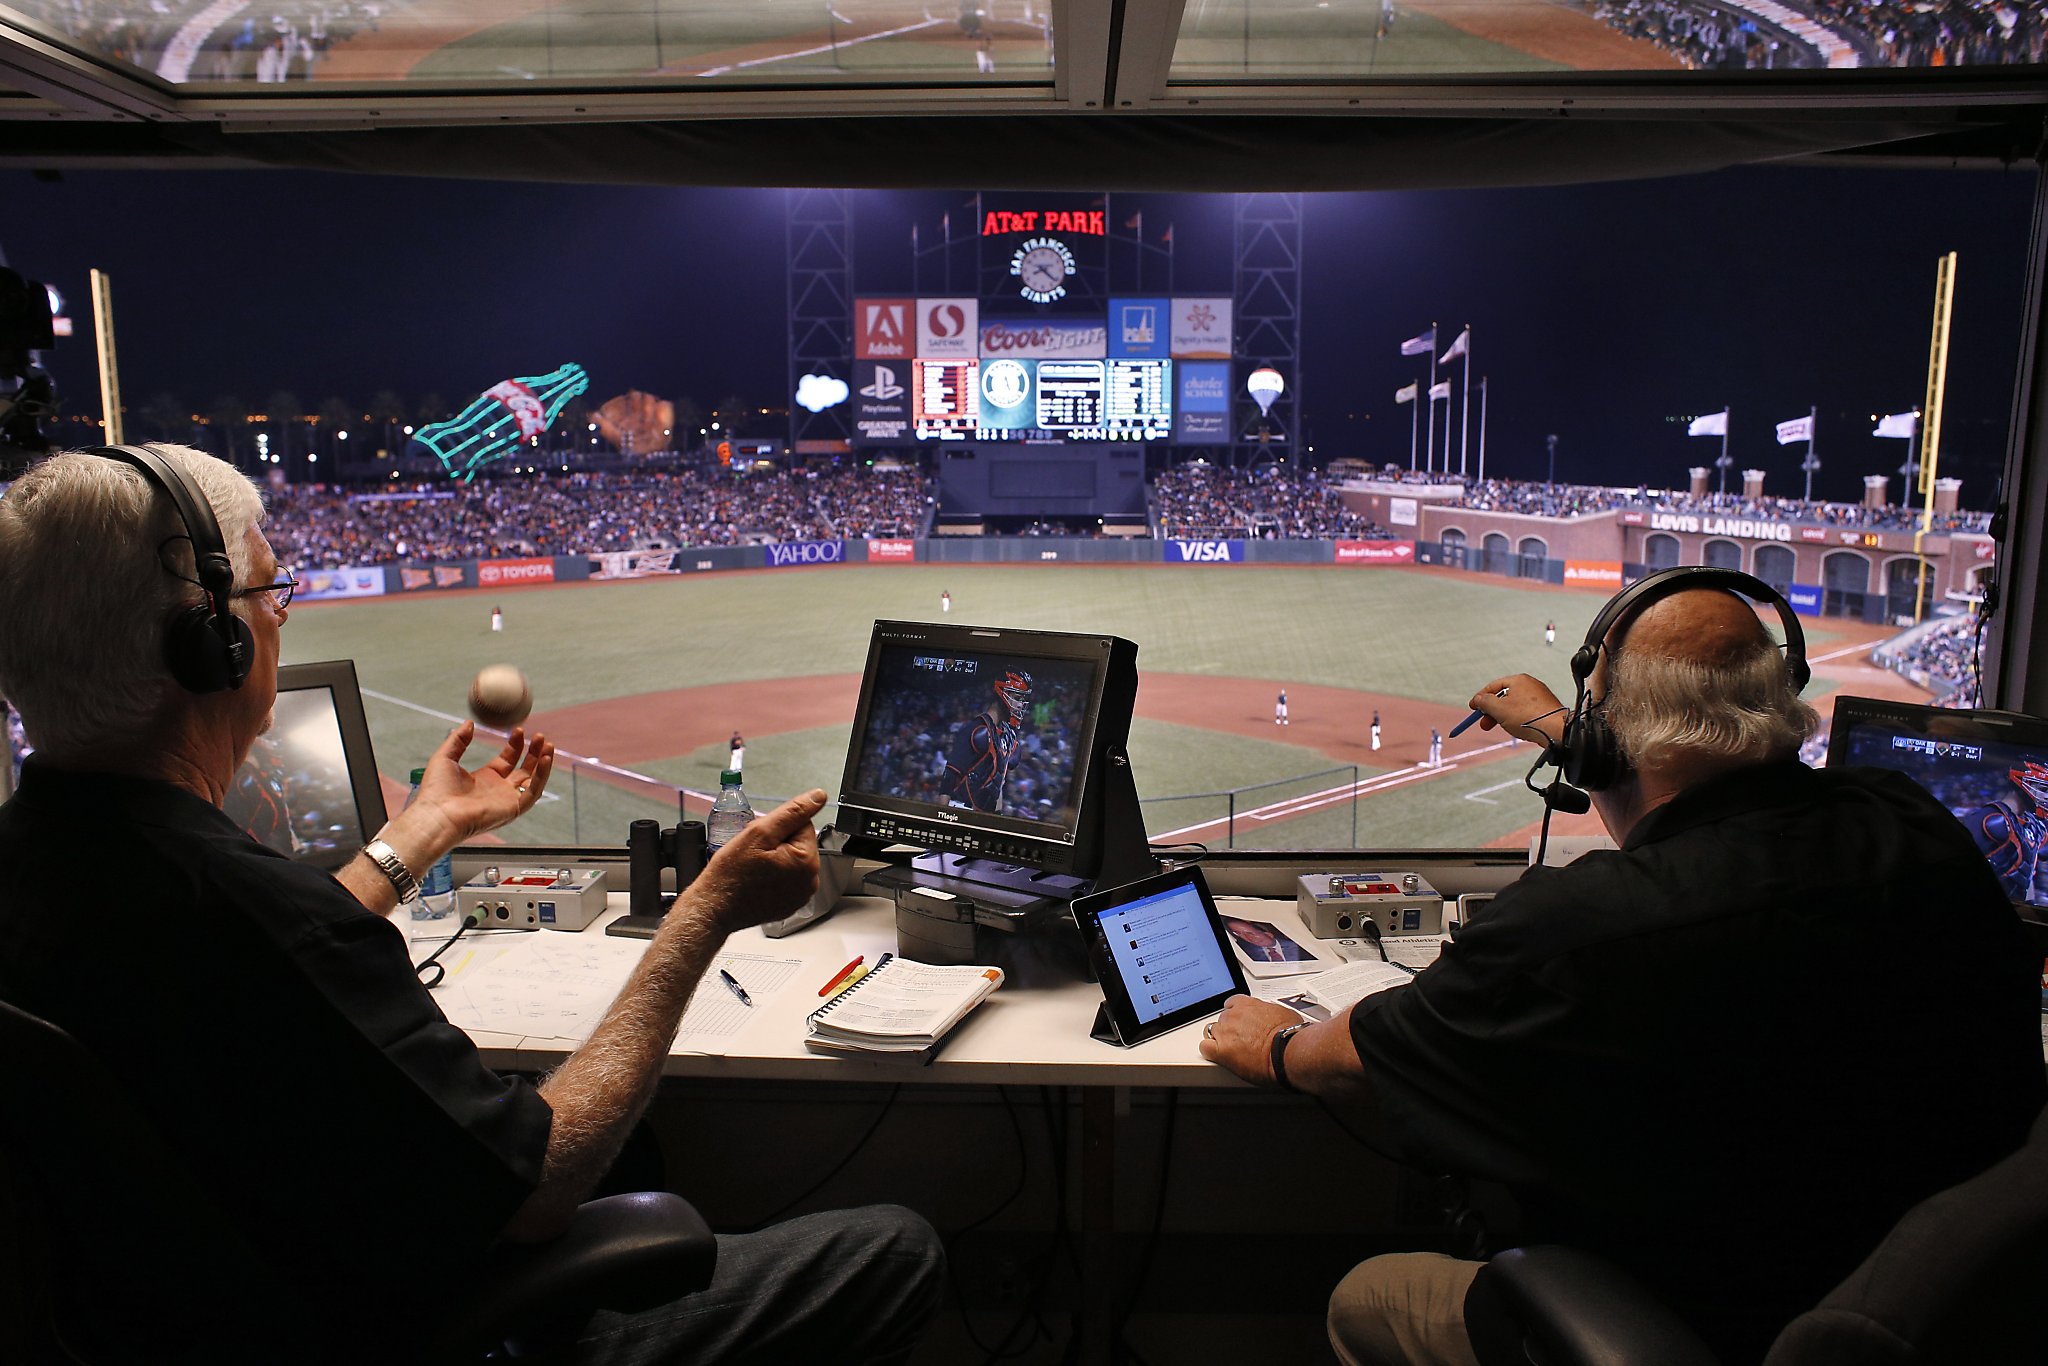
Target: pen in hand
1466,724
737,990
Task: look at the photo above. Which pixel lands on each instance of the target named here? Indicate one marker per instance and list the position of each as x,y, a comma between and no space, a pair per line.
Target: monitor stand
944,900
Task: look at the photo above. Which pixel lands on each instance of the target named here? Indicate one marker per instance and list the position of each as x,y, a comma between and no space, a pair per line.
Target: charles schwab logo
806,552
1204,552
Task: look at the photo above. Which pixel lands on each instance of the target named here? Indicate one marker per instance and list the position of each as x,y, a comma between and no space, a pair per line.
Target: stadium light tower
1551,442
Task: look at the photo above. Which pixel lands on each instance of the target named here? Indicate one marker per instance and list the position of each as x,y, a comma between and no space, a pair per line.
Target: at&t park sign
1742,527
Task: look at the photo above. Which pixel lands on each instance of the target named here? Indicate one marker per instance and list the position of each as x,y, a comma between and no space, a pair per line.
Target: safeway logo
947,320
885,386
1375,552
1204,552
806,552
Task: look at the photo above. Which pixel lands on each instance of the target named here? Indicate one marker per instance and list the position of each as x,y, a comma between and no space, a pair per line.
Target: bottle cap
729,778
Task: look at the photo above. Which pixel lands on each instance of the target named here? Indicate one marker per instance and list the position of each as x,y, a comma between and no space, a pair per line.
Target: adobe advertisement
883,329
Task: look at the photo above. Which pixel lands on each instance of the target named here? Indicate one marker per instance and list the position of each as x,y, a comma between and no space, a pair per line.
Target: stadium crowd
1941,658
1201,500
1706,37
1945,32
1575,500
194,40
590,514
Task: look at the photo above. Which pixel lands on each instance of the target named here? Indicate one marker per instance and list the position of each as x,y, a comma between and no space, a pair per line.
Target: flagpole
1810,464
1727,420
1414,417
1464,404
1431,466
1482,429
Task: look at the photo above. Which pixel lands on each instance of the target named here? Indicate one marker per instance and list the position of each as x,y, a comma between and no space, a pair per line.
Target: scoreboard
976,377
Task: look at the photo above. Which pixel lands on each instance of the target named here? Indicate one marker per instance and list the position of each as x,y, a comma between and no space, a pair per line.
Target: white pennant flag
1408,393
1798,429
1898,424
1712,424
1421,344
1460,345
1443,390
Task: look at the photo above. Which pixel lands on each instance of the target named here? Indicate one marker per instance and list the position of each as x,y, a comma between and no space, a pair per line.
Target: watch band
393,867
1280,1054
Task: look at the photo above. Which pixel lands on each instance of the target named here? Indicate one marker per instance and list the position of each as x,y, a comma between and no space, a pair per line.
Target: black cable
807,1192
1023,1172
1158,1219
469,922
1056,1131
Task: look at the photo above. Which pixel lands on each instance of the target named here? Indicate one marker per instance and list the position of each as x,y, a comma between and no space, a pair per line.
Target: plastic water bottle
729,814
437,888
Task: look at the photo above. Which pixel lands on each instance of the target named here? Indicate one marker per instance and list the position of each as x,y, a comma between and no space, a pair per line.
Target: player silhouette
983,748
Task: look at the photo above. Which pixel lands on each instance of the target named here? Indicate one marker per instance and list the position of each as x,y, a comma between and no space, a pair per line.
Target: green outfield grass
1427,636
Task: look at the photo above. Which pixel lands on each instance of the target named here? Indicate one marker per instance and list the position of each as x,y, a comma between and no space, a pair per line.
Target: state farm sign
1375,552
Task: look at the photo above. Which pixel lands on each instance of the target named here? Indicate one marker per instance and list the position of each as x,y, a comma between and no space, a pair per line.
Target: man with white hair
1723,1054
265,1015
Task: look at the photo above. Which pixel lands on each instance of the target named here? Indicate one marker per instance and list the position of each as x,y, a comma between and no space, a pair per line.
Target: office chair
110,1254
1957,1282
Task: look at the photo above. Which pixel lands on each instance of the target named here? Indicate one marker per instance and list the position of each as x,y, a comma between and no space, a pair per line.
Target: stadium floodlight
1265,385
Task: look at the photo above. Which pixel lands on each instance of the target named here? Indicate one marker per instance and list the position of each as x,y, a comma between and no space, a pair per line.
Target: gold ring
1209,1030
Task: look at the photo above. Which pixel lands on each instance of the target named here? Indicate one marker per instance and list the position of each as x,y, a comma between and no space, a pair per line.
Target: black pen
737,989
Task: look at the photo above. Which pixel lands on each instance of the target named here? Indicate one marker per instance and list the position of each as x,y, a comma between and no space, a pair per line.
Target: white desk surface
1025,1033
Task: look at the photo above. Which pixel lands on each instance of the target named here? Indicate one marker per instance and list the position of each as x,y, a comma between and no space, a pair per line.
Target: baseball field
641,683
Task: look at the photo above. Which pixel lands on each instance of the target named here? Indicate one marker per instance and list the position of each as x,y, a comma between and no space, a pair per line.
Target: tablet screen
1158,950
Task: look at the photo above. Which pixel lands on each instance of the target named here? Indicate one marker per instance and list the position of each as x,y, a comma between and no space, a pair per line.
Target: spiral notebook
903,1006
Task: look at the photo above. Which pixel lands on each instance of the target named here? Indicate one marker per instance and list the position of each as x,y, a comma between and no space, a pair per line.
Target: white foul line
815,51
1364,787
1480,795
1845,650
582,760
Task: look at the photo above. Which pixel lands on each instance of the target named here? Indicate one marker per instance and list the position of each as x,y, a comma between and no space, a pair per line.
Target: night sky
1606,314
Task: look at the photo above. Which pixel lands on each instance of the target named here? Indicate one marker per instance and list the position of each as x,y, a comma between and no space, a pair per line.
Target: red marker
840,975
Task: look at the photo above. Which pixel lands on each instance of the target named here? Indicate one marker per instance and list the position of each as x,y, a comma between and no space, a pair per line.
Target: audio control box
1340,905
534,898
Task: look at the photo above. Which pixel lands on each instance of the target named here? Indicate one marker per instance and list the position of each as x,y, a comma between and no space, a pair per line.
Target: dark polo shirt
276,1033
1732,1053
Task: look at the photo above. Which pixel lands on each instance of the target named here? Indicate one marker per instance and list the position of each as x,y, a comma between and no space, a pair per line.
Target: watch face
1005,383
1042,266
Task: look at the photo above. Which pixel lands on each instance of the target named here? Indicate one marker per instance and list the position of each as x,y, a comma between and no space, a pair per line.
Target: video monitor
1989,767
309,788
988,742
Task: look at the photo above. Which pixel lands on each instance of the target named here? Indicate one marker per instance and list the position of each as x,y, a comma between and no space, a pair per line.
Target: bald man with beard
1721,1055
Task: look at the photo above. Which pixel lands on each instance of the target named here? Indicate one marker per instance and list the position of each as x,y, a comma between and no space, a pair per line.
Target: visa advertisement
1201,410
1203,552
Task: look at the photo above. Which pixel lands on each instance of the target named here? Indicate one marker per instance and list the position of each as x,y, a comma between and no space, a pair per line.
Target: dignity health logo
806,552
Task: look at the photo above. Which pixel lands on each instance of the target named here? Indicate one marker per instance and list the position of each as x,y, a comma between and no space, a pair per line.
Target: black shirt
1732,1053
276,1032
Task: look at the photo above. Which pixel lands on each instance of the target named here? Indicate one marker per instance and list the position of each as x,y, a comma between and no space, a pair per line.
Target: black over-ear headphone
206,646
1589,756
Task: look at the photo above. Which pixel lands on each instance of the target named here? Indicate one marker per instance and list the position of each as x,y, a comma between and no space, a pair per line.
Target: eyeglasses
280,592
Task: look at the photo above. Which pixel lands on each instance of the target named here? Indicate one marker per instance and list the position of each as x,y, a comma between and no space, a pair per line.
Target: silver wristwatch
393,867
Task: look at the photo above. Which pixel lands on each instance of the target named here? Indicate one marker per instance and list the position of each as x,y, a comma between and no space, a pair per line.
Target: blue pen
737,989
1466,724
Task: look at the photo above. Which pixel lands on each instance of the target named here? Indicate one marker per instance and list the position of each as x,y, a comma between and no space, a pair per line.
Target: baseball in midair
500,697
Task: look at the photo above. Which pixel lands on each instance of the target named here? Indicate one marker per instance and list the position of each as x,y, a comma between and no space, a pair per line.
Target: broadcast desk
1033,1031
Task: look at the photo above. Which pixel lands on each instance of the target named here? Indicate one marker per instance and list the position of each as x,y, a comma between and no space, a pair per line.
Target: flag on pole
1420,346
1437,391
1798,429
1408,393
1709,424
1898,424
1459,346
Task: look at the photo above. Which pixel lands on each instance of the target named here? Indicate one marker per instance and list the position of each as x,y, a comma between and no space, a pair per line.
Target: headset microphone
1561,796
